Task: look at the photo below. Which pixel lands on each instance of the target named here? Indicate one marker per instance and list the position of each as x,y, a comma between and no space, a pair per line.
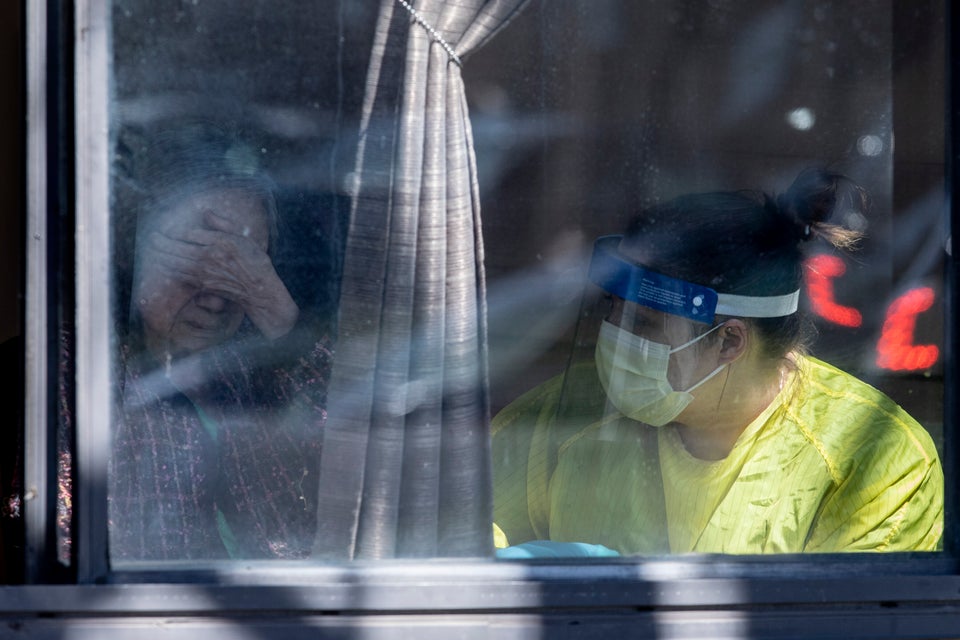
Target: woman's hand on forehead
216,221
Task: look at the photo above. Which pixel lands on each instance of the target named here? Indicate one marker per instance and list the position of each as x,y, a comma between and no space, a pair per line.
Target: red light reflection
895,350
820,273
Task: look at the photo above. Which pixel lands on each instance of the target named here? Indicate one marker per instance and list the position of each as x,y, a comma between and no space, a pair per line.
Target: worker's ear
734,336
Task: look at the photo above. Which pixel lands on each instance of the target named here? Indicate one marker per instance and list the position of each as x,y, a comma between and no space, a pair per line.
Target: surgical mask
633,372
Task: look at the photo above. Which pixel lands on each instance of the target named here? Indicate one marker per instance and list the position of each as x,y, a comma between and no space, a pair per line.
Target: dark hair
745,242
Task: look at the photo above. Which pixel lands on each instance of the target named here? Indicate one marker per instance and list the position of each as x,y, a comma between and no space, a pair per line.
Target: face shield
632,322
577,431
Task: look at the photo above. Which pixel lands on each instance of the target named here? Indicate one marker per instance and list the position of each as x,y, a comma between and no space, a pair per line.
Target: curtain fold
405,462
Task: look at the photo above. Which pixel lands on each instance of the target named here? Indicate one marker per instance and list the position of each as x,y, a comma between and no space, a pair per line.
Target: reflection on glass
222,394
583,113
231,124
636,104
699,423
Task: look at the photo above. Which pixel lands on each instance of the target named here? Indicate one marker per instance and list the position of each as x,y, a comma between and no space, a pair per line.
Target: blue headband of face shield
634,283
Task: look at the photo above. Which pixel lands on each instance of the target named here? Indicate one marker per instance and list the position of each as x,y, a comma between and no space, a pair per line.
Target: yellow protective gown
831,465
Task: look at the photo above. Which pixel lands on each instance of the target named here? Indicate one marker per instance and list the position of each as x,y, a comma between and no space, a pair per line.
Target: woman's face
178,317
686,367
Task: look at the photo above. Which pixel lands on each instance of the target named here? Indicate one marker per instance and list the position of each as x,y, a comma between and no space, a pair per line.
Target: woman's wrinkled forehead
240,206
180,205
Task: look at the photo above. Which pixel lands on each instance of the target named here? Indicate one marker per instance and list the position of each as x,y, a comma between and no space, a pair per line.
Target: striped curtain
406,458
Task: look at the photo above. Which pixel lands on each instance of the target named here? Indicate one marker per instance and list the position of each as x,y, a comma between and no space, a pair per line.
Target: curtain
405,468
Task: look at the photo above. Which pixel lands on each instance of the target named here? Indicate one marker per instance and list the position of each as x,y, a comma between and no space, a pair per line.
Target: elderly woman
222,394
699,424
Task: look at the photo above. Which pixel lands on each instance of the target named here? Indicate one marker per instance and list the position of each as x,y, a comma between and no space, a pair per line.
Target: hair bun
812,200
789,208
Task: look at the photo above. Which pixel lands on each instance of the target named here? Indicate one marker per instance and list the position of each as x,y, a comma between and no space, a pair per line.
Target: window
633,106
300,298
248,151
254,111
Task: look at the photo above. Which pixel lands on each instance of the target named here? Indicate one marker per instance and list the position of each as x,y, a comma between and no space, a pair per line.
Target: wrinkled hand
222,259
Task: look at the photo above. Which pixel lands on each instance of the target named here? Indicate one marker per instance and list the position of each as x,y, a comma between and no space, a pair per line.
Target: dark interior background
583,111
12,131
587,111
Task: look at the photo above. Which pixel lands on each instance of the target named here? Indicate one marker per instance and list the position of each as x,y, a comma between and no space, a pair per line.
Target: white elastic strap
757,306
707,379
697,339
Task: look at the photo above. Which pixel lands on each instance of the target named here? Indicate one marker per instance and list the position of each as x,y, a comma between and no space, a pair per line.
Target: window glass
591,114
231,122
238,134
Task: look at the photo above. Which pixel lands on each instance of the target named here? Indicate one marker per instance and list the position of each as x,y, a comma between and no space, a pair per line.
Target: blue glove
551,549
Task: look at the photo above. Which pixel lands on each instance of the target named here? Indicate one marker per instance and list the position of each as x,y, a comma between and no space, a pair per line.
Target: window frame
867,594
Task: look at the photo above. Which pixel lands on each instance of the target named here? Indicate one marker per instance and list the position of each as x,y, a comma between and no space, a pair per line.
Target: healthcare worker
697,423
